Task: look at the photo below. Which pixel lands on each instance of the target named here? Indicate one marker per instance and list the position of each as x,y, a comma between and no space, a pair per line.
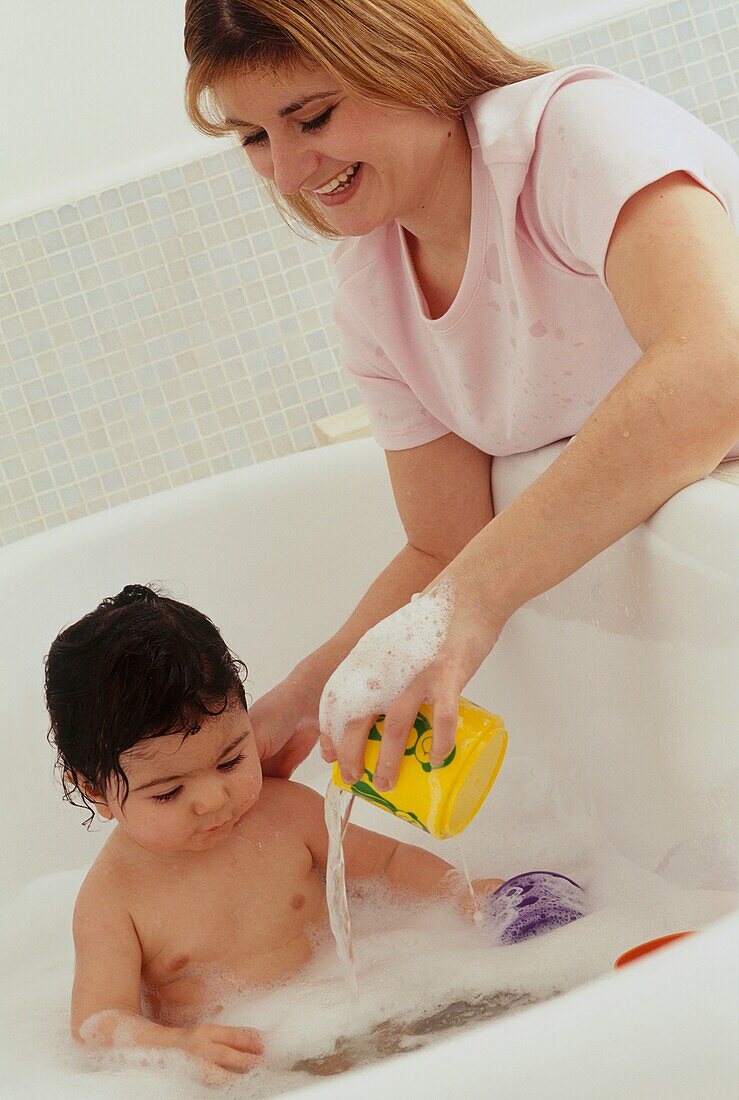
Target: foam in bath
95,1031
386,660
412,956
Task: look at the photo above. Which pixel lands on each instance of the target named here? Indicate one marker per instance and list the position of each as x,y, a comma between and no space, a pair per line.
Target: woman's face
303,130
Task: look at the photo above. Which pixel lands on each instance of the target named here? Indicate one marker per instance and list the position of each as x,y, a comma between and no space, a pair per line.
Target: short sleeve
597,144
398,418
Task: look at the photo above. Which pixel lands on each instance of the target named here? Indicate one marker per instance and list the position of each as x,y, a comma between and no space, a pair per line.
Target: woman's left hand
471,632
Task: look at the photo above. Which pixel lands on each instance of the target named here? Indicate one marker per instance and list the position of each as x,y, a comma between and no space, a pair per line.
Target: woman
530,255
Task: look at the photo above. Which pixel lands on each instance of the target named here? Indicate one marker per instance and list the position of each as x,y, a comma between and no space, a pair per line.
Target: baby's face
187,795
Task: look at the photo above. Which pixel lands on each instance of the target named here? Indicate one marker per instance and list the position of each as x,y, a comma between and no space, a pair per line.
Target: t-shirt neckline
475,251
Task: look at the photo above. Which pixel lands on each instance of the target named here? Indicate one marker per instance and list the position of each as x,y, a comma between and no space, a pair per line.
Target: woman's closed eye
307,128
226,766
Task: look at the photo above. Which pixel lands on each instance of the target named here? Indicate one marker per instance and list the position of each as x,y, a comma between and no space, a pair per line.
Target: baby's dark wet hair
141,665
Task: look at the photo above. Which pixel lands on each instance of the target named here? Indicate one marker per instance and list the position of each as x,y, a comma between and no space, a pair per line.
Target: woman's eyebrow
171,778
290,109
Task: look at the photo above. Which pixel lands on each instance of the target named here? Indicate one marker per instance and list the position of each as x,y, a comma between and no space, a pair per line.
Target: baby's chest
248,905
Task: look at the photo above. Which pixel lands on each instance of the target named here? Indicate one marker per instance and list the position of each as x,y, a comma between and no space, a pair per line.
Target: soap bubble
420,965
386,660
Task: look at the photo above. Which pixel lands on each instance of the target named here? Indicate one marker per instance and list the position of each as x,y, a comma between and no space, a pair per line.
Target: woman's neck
439,220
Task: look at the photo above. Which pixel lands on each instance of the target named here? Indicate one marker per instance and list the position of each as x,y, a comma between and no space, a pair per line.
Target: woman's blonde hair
432,54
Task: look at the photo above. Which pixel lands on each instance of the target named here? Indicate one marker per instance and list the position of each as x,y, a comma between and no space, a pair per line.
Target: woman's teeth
340,182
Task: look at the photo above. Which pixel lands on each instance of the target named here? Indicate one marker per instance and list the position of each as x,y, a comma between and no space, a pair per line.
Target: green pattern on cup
419,748
421,745
371,795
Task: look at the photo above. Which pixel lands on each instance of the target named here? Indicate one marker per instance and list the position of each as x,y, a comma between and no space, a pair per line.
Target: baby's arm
106,996
370,855
407,867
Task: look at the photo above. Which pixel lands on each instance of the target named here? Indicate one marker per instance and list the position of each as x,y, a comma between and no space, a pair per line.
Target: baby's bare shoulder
291,802
288,793
107,882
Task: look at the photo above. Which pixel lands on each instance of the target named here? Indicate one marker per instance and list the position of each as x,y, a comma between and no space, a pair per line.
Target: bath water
421,969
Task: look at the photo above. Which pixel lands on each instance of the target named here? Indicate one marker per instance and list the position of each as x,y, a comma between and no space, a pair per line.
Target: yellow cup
441,800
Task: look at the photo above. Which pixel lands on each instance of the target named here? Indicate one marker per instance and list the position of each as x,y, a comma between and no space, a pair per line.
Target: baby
211,868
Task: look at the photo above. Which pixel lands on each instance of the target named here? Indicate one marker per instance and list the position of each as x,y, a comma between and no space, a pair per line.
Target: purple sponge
530,904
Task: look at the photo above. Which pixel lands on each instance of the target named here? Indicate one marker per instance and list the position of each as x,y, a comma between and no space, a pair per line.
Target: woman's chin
354,224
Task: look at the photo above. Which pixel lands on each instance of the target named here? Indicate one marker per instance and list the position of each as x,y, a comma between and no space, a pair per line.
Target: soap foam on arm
385,661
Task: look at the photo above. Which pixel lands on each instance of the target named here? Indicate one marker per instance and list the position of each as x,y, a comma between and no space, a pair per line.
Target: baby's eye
231,763
225,767
168,796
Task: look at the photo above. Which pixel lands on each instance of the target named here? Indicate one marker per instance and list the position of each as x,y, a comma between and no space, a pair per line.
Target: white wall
524,21
92,90
91,94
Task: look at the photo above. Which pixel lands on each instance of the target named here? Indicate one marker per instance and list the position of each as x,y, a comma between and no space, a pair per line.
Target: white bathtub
624,679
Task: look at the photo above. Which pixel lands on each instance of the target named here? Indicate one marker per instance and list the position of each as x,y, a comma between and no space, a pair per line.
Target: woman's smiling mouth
339,188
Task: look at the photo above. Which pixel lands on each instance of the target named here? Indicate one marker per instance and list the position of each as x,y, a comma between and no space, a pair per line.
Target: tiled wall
174,327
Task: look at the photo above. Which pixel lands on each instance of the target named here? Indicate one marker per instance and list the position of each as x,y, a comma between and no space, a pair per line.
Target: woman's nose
291,167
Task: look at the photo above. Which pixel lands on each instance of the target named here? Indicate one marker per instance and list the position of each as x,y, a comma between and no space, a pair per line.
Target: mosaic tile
174,327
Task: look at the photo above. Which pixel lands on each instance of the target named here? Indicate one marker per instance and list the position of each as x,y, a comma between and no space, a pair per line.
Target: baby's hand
473,908
238,1049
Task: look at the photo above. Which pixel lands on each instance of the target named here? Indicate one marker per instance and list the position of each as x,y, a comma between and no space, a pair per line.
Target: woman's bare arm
673,269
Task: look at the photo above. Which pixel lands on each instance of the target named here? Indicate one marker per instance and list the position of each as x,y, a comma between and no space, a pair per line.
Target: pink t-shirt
533,340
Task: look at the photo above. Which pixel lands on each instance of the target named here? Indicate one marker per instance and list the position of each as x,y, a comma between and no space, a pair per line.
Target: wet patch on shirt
492,265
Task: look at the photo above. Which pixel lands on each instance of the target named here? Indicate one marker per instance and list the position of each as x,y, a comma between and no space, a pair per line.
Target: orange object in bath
644,948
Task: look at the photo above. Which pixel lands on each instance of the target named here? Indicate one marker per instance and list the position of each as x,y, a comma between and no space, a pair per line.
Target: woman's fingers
396,728
286,760
395,731
350,750
328,752
446,722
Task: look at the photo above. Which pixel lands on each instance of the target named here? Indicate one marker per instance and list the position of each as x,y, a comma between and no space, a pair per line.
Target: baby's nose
211,795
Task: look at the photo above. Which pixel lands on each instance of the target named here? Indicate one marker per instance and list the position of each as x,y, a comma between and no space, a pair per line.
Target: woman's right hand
285,721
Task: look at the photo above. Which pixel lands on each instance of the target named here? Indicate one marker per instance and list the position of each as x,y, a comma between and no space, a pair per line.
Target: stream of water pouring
478,914
336,809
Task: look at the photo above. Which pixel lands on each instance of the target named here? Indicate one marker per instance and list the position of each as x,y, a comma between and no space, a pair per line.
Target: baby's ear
94,797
